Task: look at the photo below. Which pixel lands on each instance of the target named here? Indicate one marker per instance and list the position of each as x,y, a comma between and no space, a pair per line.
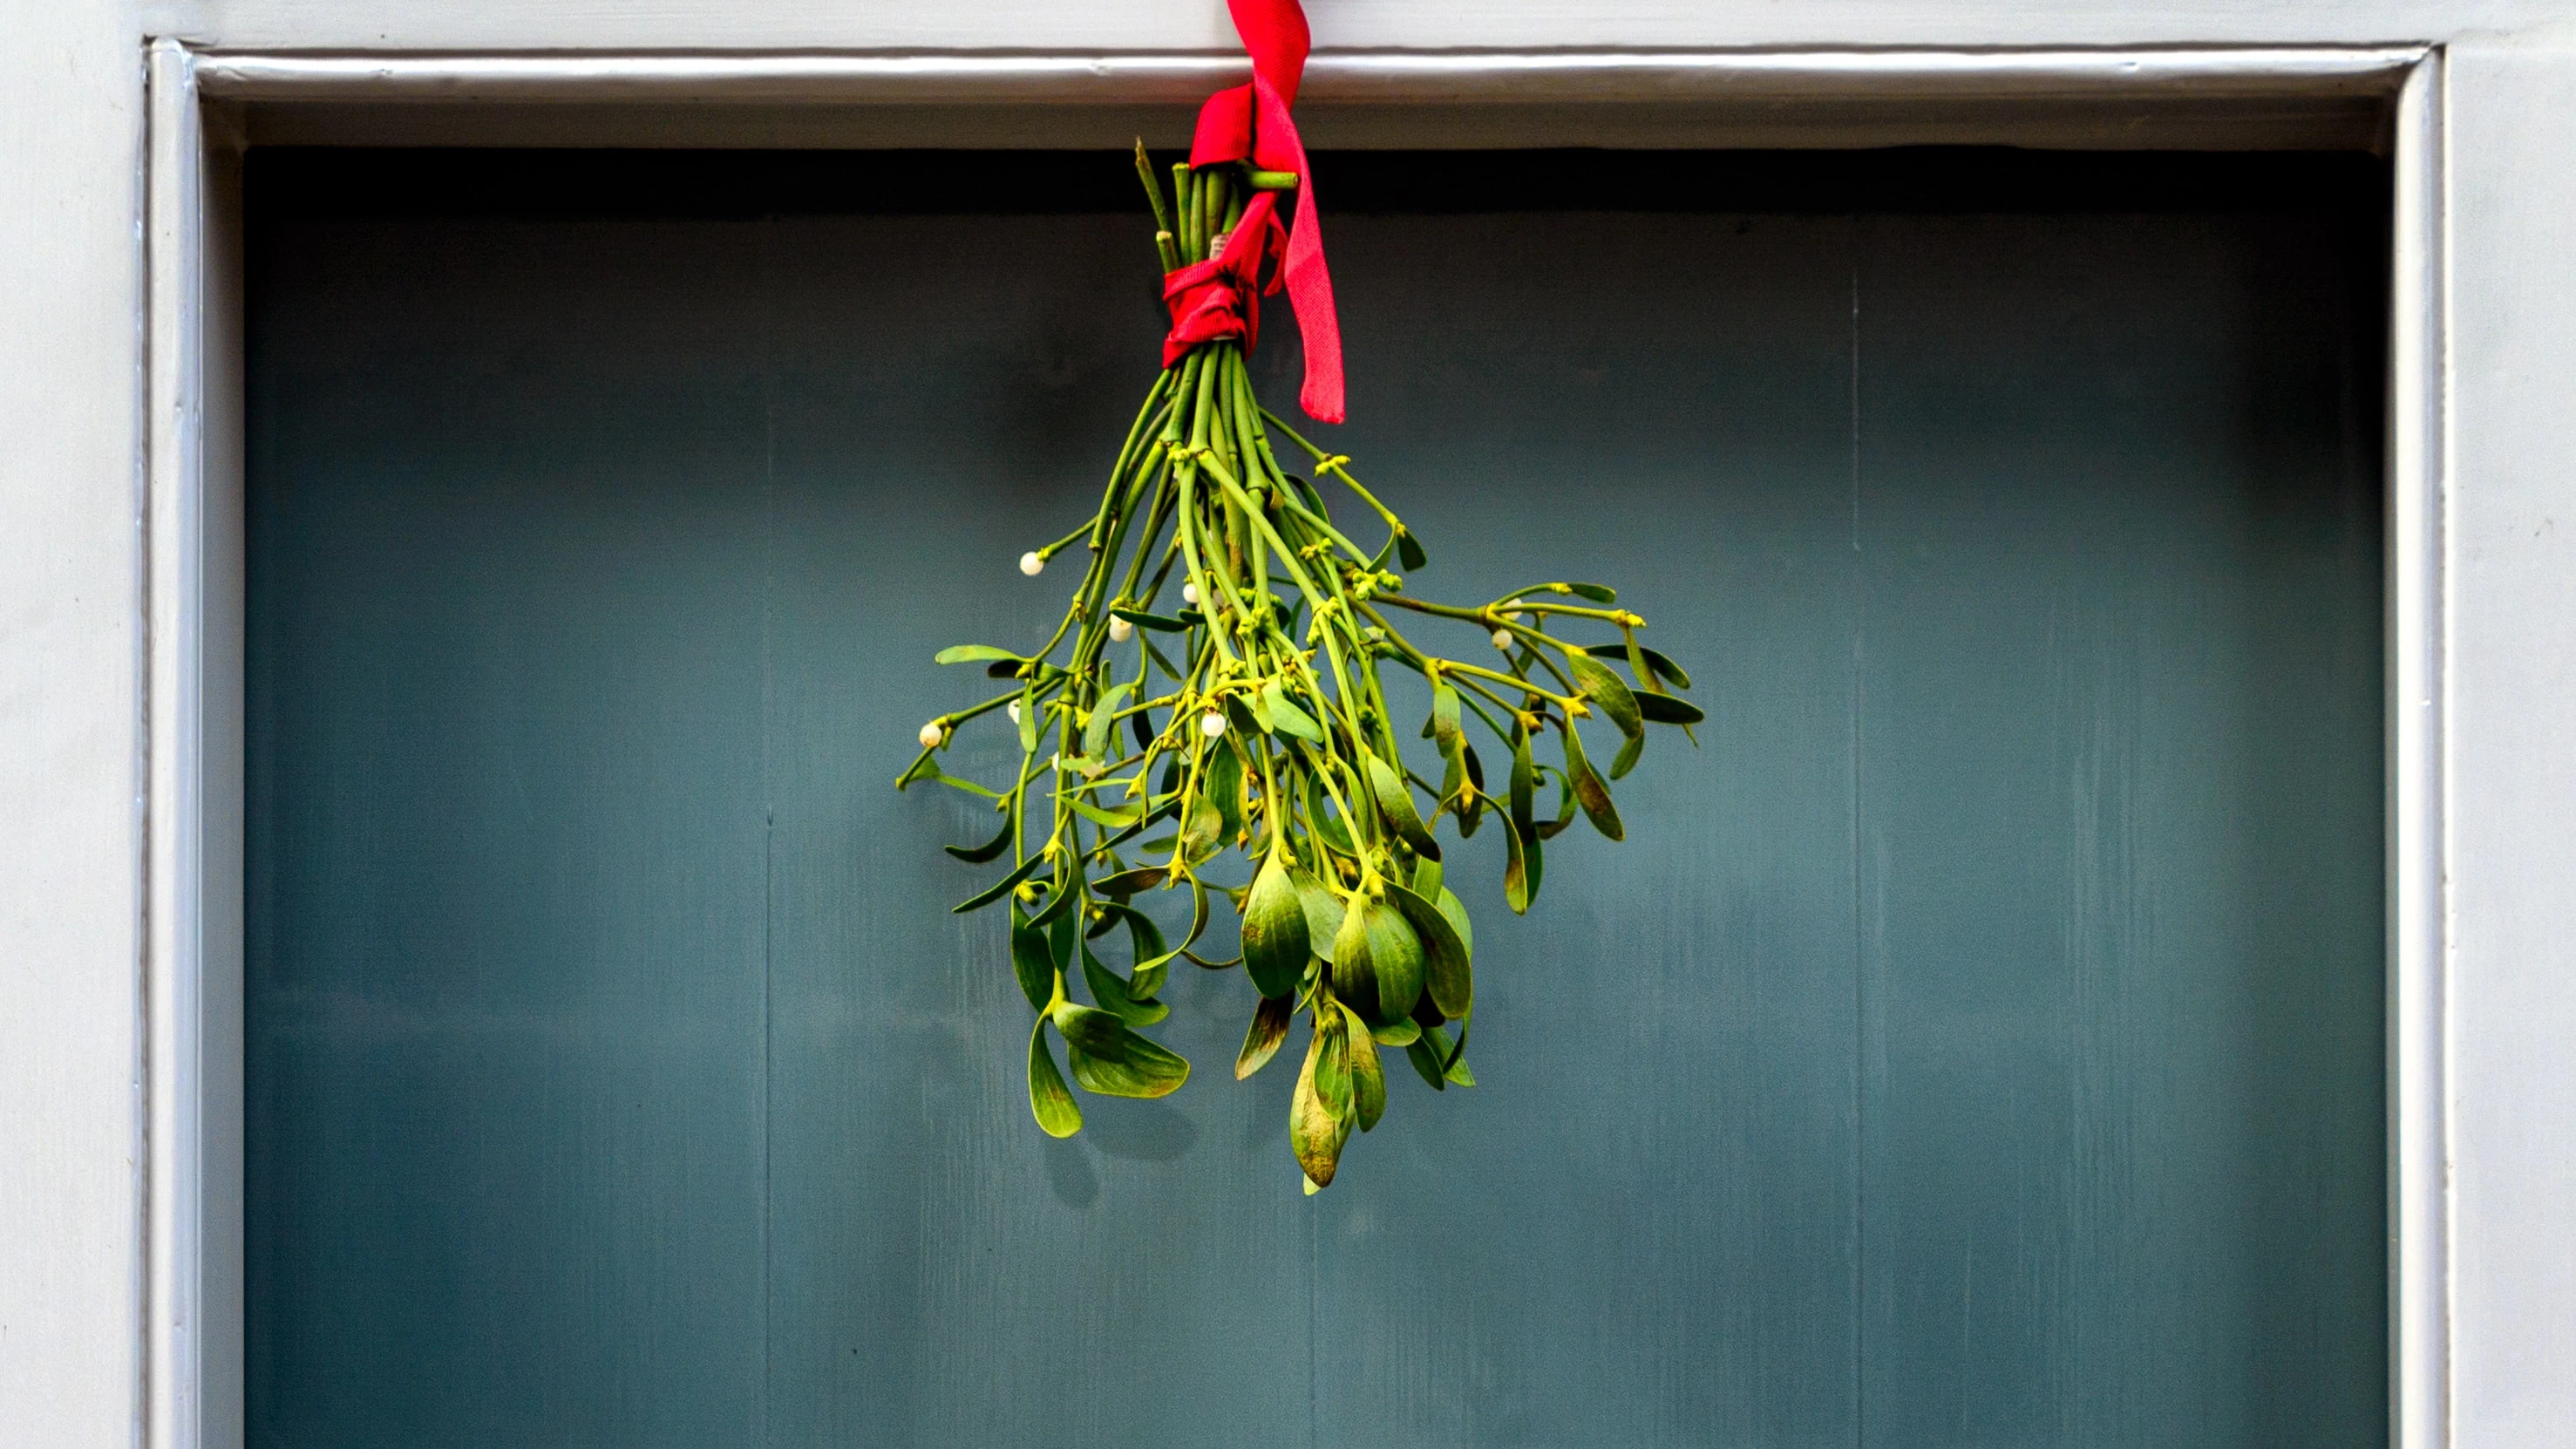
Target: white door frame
194,502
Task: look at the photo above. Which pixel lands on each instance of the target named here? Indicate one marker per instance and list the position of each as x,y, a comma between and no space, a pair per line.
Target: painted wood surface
1186,25
1977,1041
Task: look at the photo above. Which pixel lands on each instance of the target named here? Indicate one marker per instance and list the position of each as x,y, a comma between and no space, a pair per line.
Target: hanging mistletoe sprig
1250,715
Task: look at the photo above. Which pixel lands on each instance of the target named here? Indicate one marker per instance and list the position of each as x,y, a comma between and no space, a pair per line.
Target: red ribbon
1220,297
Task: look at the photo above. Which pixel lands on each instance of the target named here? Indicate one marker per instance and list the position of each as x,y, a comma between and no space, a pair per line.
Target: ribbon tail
1310,295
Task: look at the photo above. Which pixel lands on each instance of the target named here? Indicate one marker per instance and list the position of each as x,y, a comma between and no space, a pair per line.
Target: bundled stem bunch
1250,715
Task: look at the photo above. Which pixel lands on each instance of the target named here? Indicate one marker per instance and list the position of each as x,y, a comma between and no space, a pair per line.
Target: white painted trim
1331,76
2419,1165
193,700
195,495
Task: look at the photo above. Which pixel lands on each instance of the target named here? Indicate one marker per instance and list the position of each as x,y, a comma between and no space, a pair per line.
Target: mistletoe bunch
1250,716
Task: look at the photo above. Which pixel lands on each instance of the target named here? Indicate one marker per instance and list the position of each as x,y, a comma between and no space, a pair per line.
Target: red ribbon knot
1220,297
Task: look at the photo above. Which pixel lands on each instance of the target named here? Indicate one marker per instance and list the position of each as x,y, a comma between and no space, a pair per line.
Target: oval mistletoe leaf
1113,1061
1524,786
1368,1080
1224,785
1671,673
1665,709
1287,718
1605,689
1408,551
1588,789
1205,832
999,888
1158,622
1626,759
1262,1038
1520,868
1397,1033
977,654
1395,802
1127,883
1314,1128
1095,735
980,854
1379,969
1114,993
1354,974
1426,1065
1444,956
1274,931
1323,914
1597,593
1032,961
1455,910
1050,1100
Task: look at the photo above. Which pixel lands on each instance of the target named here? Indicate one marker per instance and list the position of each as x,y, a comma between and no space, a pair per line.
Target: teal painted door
1976,1042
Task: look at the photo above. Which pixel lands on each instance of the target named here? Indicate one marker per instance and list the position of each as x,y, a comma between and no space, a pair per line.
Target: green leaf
1604,689
1029,719
1262,1038
1377,960
1118,819
1286,717
1426,877
1449,1061
1395,802
1113,993
1524,787
1323,913
980,854
1113,1061
1368,1080
1128,883
1671,673
1243,721
1315,1131
1157,622
1275,946
1520,872
1204,832
1224,785
1472,811
999,888
1455,910
977,654
1067,891
1588,789
1049,1099
1095,735
1408,551
1153,959
1597,593
1031,961
1626,760
1397,1033
1425,1064
1446,975
1665,709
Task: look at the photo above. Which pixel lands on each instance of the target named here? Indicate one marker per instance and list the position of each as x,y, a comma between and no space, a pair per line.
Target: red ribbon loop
1219,297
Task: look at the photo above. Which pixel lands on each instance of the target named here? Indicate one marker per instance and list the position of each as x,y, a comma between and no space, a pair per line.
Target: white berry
1031,563
930,735
1120,631
1189,593
1211,724
1014,708
1503,640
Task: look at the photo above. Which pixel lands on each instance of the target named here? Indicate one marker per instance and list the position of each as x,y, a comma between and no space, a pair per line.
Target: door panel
1976,1041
